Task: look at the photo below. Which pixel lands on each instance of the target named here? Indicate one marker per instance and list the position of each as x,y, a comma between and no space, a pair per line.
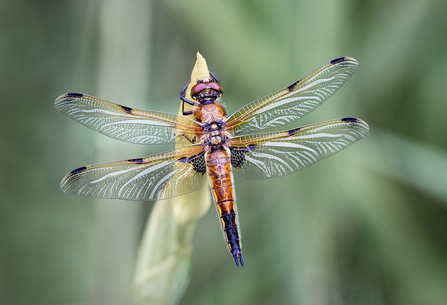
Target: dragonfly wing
156,177
295,101
278,154
124,123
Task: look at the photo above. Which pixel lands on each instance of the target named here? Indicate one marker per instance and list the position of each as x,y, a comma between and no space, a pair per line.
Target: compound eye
202,86
197,88
215,86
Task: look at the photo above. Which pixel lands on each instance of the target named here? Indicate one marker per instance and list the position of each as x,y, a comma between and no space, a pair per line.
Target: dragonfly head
206,89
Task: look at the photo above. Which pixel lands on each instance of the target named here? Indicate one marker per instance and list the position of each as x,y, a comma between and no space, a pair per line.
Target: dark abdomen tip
238,259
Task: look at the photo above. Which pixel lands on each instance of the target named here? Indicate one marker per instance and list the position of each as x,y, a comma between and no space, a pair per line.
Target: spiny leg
185,100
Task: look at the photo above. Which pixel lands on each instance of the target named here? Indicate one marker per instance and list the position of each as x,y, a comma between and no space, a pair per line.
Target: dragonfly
214,145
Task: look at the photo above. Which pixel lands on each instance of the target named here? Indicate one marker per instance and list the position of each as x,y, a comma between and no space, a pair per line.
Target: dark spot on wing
75,95
293,131
293,86
197,161
248,148
127,109
78,170
237,157
138,160
185,160
337,60
349,120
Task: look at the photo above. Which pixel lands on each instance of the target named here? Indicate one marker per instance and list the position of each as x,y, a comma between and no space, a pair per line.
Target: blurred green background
366,226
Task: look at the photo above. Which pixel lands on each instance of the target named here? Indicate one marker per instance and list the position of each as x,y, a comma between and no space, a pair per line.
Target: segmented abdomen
221,179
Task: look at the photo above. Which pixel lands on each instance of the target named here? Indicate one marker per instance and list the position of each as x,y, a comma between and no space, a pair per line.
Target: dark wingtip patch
349,119
337,60
78,170
75,94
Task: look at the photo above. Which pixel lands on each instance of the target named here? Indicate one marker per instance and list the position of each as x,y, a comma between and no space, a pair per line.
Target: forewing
295,101
156,177
278,154
124,123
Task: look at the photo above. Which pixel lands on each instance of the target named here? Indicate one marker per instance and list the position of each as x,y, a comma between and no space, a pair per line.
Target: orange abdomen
221,180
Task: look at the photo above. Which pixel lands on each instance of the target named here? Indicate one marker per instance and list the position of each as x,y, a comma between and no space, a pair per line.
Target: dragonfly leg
185,100
214,77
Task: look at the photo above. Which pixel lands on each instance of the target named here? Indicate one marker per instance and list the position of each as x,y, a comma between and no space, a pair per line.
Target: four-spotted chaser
214,145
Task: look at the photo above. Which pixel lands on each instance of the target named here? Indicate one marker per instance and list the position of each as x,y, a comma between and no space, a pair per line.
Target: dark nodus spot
293,86
127,109
78,170
337,60
293,131
138,160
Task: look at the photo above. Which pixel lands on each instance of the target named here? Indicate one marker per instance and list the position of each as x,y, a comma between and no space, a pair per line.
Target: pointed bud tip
200,69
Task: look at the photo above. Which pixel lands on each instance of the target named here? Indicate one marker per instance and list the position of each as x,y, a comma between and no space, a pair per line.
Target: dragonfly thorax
215,135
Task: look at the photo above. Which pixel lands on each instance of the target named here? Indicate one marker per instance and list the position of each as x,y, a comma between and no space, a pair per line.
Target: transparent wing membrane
177,172
125,123
295,101
155,177
278,154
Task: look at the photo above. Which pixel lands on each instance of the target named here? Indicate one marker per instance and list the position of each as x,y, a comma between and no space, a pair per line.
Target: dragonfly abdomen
221,180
